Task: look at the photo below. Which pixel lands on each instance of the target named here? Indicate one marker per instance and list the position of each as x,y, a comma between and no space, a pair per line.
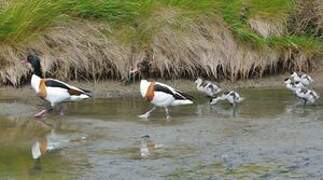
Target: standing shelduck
231,96
52,90
206,87
159,94
303,78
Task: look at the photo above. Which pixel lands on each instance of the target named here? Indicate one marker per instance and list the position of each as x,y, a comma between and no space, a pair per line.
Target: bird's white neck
144,84
35,80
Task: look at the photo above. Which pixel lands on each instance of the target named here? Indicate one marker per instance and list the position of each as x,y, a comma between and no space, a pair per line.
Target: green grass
22,19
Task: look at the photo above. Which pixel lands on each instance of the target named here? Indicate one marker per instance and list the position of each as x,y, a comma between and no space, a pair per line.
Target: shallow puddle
270,135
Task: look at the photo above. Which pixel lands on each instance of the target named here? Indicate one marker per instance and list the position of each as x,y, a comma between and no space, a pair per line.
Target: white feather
57,95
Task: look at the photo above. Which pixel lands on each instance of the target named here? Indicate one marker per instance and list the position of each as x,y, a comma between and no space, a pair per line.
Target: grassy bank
102,39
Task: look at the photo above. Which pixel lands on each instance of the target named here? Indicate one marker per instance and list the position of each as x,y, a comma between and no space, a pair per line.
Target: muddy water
270,135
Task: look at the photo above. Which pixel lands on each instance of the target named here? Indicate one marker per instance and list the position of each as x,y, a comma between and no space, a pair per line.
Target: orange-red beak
24,61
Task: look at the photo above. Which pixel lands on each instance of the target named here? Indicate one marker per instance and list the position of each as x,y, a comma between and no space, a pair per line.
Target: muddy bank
111,89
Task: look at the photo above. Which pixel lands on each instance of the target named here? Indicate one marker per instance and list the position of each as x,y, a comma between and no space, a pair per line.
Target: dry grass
179,44
79,50
267,28
75,51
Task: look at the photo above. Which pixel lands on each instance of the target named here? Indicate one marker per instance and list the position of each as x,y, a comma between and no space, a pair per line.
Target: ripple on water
269,135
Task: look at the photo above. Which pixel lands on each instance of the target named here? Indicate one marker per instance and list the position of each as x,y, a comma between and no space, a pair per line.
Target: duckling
291,85
231,96
307,95
206,87
303,78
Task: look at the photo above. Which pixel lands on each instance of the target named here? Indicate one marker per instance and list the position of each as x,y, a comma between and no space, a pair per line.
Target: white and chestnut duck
206,87
231,96
52,90
158,94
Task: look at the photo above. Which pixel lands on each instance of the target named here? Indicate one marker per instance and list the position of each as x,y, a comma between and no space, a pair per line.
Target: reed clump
100,39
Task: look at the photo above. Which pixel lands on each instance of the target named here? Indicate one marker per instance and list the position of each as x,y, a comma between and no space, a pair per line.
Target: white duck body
303,78
164,98
293,85
206,87
232,97
308,95
56,95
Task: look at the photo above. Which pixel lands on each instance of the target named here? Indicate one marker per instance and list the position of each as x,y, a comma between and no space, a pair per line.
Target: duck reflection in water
148,147
231,111
48,143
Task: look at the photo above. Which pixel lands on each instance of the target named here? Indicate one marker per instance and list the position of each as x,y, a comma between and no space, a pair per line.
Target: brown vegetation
178,47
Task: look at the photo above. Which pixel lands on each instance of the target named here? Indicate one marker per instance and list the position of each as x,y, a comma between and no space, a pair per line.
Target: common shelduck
147,146
303,78
303,93
206,87
231,96
159,94
52,90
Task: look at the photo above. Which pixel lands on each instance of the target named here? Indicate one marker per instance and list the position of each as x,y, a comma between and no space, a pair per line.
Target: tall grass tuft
21,19
97,39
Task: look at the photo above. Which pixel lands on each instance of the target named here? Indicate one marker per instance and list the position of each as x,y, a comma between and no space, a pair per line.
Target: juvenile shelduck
303,78
52,90
231,96
303,93
159,94
206,87
291,85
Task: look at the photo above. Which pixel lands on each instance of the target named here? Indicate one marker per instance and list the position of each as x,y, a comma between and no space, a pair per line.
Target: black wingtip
87,92
187,96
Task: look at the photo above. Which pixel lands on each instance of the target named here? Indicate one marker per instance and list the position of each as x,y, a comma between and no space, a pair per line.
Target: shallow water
270,135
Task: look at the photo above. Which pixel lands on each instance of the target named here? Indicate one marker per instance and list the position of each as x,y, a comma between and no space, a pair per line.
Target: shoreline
114,88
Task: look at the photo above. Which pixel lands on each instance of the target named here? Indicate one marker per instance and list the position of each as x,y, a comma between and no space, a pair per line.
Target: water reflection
268,127
148,147
232,111
48,143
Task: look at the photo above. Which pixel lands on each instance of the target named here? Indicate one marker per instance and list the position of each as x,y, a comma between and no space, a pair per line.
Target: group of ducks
213,90
300,85
158,94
